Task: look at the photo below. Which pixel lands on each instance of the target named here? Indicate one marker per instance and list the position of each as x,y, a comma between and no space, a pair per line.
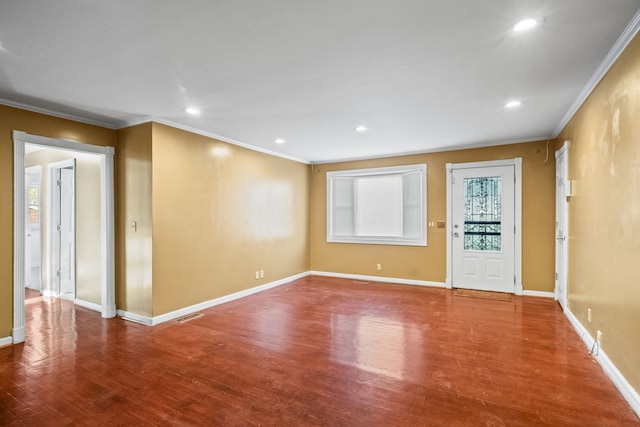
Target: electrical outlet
262,274
379,267
589,314
257,275
599,338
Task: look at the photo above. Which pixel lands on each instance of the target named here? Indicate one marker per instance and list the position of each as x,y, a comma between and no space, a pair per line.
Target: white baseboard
6,341
90,305
156,320
627,391
133,317
379,279
227,298
538,294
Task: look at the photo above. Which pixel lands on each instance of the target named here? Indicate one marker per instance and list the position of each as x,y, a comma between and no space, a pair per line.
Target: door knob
456,235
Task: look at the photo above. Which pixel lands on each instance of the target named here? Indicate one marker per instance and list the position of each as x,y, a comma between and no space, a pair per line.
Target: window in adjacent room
386,206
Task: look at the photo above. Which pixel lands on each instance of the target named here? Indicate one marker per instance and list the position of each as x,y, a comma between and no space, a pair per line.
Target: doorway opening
484,226
77,248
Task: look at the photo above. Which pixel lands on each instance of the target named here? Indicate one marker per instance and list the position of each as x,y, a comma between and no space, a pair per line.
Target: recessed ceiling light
526,25
362,129
279,141
192,110
513,104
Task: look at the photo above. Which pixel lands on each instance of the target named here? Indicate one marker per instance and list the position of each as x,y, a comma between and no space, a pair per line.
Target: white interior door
562,223
28,281
33,176
64,247
483,228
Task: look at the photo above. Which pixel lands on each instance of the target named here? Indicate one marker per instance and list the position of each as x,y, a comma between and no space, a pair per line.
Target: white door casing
495,266
107,229
563,191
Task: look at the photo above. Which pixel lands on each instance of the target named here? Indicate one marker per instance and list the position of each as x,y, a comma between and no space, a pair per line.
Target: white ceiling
422,75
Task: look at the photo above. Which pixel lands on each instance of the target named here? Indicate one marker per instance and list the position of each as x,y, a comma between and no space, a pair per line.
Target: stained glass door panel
482,213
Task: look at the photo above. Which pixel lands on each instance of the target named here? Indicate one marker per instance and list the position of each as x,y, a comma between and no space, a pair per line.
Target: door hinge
58,273
453,179
514,280
58,183
556,276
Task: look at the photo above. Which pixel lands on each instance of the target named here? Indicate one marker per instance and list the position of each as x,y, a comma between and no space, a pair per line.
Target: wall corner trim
6,341
627,391
379,279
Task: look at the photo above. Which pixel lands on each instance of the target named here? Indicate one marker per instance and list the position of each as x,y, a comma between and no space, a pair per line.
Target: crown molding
621,44
201,132
54,113
435,150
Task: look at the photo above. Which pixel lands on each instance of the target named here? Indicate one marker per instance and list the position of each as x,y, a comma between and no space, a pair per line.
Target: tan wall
88,221
134,246
37,124
429,263
604,212
221,212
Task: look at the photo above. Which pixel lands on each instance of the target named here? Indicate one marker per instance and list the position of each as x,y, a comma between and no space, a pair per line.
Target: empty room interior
320,213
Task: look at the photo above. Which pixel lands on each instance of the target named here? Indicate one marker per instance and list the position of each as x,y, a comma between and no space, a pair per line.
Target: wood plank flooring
315,352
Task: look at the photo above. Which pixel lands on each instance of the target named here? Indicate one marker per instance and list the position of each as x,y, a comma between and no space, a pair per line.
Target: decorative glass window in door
482,213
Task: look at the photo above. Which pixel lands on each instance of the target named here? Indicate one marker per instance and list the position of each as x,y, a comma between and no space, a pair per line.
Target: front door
483,228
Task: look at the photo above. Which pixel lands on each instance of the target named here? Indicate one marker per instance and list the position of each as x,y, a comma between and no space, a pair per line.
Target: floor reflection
272,326
376,344
319,351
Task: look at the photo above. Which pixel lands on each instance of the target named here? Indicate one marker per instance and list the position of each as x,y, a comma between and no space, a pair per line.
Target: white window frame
379,240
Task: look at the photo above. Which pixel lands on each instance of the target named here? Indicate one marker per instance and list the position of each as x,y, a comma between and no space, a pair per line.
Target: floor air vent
188,317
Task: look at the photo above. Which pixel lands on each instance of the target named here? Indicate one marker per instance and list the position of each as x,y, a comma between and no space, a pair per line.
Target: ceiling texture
421,75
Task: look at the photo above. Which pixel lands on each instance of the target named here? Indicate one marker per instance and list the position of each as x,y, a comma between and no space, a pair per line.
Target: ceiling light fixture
513,104
279,141
362,129
526,25
192,110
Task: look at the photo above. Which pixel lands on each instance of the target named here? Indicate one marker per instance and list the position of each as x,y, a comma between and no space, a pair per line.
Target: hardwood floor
318,351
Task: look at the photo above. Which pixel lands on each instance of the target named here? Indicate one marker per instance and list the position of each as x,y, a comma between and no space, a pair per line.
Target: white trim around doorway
108,307
517,164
